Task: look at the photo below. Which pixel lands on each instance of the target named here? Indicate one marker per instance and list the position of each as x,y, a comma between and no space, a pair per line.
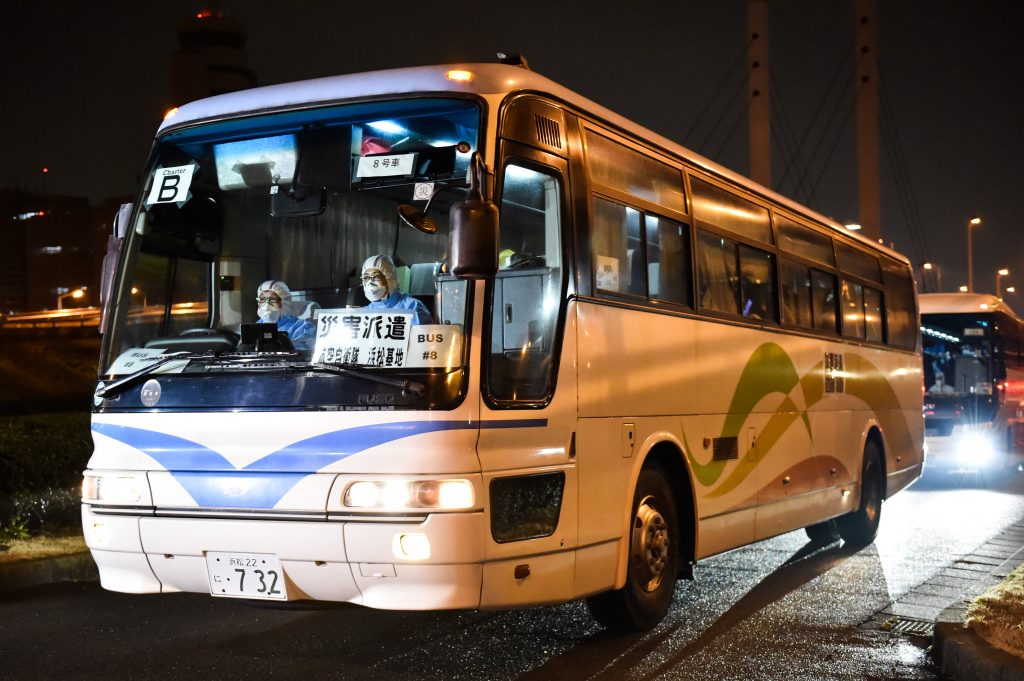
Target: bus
635,358
974,375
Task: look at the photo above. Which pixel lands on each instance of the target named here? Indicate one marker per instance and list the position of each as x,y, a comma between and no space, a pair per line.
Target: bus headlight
397,494
115,488
975,447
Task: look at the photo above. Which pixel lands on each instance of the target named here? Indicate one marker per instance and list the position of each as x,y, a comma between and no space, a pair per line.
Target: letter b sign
170,185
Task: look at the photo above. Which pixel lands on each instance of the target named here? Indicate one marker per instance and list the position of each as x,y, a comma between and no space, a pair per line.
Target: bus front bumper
354,562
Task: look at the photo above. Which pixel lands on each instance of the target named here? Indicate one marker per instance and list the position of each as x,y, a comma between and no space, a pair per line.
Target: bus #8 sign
383,338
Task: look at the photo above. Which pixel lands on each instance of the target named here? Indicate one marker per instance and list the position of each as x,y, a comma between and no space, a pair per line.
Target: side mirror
110,260
473,236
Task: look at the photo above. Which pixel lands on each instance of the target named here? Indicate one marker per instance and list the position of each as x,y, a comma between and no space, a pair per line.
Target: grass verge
63,543
998,614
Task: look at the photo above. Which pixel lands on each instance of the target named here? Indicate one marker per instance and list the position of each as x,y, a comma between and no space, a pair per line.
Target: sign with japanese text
385,338
367,337
389,165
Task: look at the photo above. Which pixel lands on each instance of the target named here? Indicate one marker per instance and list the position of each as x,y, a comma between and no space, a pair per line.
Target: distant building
50,246
211,59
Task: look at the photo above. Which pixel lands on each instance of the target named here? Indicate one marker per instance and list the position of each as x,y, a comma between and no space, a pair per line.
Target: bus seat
421,278
304,309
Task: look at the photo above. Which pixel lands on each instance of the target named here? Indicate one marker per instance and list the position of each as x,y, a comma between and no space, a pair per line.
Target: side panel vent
548,131
726,448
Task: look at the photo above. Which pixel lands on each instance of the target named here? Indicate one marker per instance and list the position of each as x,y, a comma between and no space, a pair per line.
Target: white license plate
246,575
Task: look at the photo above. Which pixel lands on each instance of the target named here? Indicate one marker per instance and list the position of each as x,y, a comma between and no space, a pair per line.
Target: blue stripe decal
214,482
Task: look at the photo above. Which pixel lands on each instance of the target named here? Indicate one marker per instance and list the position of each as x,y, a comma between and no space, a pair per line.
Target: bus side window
668,260
899,306
617,248
823,301
873,320
796,293
719,280
853,309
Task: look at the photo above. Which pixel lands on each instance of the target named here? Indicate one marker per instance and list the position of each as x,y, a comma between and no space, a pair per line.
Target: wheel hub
650,544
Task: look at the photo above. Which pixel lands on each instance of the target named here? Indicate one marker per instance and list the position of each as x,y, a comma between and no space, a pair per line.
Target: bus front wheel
860,527
653,561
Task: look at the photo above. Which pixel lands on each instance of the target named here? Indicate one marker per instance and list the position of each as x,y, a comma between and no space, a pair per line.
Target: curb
76,567
962,654
959,651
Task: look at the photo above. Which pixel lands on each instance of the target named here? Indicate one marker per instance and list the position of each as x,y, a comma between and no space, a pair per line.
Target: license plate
246,575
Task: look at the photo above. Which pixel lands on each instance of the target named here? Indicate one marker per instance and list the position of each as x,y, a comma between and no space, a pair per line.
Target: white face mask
375,288
269,312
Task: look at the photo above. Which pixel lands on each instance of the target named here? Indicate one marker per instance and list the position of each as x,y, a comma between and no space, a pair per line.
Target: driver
273,297
380,284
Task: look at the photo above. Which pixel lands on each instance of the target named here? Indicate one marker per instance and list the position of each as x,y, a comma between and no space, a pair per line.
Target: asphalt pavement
936,608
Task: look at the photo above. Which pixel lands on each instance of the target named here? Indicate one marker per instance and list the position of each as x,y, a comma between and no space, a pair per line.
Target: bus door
528,387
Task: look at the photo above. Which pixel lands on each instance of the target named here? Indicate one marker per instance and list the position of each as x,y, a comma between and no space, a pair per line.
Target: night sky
86,83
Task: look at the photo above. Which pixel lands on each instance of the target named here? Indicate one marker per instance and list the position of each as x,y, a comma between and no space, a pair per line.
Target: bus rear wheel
860,527
653,561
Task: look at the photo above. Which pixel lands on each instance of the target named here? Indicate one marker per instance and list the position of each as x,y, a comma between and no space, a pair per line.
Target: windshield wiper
122,384
407,387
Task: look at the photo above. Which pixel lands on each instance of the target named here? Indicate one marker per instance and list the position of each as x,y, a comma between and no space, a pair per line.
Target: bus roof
956,303
488,79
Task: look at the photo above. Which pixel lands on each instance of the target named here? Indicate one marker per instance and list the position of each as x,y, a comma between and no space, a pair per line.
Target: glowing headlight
395,494
114,488
975,447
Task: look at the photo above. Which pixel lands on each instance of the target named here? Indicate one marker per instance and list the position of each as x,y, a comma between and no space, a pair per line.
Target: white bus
650,361
974,378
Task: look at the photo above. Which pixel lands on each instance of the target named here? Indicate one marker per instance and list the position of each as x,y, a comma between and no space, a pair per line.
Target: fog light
100,536
411,546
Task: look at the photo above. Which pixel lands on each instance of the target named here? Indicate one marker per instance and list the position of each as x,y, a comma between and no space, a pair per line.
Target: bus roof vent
725,448
548,131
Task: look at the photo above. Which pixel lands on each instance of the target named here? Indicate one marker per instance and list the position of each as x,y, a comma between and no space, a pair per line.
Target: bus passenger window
899,305
757,290
796,294
853,309
668,260
719,281
873,320
823,301
618,254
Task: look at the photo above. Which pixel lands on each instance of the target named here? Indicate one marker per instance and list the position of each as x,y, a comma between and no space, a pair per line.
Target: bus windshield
957,355
277,237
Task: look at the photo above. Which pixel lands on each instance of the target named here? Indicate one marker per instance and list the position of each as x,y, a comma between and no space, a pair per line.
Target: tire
860,527
653,562
823,534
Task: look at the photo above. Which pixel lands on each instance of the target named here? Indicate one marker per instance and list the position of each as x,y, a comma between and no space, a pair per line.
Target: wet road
779,609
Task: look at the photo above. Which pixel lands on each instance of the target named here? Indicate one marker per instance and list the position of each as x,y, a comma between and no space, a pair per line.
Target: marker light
398,494
459,75
170,113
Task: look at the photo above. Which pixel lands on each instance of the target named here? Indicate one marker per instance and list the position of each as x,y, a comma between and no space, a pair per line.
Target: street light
999,275
973,222
930,267
77,293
